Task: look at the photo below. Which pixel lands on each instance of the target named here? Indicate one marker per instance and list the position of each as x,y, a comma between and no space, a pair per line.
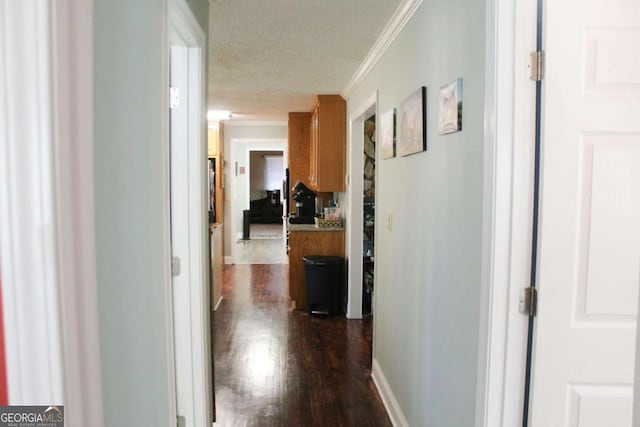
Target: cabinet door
303,243
299,136
330,152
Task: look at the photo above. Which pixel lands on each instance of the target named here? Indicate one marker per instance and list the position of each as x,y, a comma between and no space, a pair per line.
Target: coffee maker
305,199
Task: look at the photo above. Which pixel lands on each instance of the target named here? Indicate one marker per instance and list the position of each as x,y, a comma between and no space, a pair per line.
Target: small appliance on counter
305,199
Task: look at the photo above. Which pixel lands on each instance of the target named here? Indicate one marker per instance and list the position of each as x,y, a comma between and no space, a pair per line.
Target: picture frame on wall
412,123
388,134
450,119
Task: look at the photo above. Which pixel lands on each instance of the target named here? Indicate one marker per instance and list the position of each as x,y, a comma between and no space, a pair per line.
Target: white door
189,241
179,232
589,249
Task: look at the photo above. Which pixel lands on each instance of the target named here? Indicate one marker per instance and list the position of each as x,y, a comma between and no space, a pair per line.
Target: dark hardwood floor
276,367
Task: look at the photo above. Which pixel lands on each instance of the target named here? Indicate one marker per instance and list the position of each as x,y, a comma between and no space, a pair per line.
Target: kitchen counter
312,227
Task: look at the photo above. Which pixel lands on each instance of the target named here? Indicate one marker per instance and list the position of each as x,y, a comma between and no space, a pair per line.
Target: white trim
29,240
354,220
245,145
400,17
73,190
507,219
185,31
388,398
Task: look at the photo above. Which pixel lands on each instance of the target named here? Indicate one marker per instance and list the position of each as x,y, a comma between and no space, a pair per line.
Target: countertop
312,227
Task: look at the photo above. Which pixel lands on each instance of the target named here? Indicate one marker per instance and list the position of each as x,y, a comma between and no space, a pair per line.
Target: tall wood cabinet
327,146
299,134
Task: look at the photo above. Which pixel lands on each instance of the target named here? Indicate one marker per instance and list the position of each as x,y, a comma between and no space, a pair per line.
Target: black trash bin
324,284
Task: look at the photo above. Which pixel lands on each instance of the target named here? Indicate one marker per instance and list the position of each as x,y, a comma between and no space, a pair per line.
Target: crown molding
401,16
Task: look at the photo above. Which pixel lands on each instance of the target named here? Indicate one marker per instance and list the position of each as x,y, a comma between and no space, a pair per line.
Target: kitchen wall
239,138
428,263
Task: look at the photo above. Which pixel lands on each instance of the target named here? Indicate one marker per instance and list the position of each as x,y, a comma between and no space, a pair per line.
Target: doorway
355,234
369,214
258,166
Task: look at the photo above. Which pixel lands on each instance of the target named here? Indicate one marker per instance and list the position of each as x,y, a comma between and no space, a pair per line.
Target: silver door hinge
528,301
175,266
174,97
536,65
182,422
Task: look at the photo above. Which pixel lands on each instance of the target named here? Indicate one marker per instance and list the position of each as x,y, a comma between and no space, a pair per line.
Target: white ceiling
271,57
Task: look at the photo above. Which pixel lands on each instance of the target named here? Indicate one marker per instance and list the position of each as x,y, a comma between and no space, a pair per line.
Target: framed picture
450,107
412,123
388,134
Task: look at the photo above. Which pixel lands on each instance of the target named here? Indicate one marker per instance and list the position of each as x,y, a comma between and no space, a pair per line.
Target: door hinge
175,266
174,97
182,422
528,301
536,65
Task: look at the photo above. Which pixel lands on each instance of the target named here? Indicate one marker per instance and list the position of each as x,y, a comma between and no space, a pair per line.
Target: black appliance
305,199
285,192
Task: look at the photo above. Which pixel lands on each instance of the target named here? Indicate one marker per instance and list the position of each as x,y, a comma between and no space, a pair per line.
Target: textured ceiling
271,57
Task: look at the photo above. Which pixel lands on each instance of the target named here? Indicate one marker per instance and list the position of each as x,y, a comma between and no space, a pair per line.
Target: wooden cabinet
327,145
298,144
303,243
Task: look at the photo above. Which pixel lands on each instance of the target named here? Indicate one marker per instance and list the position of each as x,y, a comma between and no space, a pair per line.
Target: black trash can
324,284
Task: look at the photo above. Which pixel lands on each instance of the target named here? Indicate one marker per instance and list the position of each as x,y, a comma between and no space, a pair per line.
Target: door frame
236,204
184,30
507,216
284,169
355,221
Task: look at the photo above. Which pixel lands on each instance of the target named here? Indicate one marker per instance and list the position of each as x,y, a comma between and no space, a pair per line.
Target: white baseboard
228,260
390,403
215,308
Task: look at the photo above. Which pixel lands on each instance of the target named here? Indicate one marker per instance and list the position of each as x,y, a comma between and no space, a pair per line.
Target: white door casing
189,234
589,248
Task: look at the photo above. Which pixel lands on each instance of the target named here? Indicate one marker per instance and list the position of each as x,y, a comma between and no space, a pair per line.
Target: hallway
274,367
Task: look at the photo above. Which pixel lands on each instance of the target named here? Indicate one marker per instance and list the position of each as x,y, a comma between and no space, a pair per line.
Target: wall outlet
389,220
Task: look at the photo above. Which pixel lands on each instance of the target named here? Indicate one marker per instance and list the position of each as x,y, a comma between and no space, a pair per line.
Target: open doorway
360,218
368,214
257,196
266,207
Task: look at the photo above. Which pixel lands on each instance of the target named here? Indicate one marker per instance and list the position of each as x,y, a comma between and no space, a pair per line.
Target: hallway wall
130,63
429,264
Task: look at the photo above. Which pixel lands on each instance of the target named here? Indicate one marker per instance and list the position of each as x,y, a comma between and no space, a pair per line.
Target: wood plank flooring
276,367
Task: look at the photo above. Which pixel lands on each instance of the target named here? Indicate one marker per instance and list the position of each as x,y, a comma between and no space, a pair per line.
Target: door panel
589,249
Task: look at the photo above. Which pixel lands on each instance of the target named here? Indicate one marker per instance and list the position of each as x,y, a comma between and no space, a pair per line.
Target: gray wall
428,265
128,131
